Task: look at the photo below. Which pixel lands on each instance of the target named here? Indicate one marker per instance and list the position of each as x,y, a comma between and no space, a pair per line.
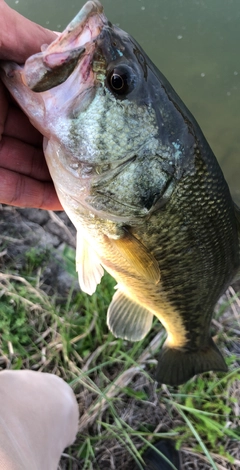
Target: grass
121,410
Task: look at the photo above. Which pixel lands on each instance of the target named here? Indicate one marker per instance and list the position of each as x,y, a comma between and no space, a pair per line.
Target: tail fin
176,366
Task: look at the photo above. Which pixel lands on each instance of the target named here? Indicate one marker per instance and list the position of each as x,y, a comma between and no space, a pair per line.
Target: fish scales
139,181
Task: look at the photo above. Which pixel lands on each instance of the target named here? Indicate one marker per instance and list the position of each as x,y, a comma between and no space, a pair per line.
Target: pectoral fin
138,256
126,319
88,266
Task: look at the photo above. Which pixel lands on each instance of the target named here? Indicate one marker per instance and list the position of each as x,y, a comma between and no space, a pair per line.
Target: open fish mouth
57,61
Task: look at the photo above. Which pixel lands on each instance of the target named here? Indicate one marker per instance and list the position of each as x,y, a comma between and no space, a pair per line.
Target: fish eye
120,80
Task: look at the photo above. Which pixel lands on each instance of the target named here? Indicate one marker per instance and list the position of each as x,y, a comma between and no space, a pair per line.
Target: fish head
101,105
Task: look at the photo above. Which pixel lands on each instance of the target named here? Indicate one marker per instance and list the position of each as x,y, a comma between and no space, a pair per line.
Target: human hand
24,177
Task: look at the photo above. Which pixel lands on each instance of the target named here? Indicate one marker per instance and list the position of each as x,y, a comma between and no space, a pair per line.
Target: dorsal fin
126,319
88,266
237,215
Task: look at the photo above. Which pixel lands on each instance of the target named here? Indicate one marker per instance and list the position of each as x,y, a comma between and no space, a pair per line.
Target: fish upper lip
73,36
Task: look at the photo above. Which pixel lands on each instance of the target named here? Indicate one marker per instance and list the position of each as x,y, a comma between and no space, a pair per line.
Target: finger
23,158
22,191
17,125
26,37
39,418
3,108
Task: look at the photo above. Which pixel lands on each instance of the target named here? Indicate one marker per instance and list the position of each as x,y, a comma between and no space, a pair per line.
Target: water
195,43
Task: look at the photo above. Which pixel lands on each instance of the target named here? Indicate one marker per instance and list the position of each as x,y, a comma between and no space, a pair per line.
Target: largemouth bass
140,183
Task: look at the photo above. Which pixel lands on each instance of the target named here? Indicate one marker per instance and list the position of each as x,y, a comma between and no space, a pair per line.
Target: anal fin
126,319
88,266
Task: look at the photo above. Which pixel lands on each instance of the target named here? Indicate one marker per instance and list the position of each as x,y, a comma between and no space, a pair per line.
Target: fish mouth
56,62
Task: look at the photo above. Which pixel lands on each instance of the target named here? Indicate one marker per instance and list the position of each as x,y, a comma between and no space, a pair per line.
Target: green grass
122,411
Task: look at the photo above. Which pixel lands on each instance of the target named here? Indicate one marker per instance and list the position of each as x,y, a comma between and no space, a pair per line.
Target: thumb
20,37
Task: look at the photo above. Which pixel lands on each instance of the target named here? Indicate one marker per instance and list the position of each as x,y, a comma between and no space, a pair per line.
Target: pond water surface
195,43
